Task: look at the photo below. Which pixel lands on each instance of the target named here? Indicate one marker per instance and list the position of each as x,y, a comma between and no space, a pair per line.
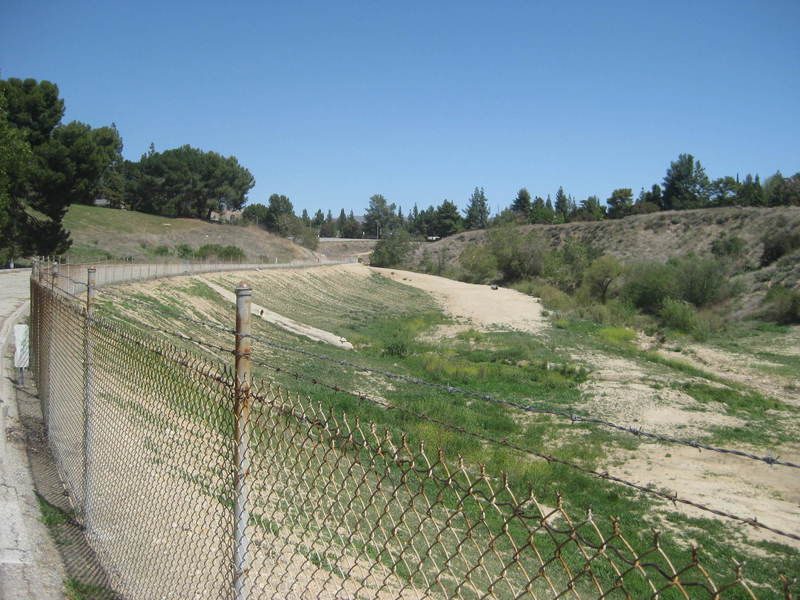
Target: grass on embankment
112,234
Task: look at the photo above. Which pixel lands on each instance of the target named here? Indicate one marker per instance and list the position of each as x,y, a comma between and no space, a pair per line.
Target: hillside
657,236
107,233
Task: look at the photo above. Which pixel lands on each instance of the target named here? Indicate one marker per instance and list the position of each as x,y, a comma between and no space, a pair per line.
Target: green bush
600,275
701,281
393,250
551,297
479,264
777,244
184,251
161,251
220,252
729,246
614,312
783,304
679,315
566,266
648,285
517,257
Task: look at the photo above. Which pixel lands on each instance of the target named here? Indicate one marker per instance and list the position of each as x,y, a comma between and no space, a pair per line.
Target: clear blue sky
331,102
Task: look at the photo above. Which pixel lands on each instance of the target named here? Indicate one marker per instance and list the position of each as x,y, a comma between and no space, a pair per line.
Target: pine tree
685,185
562,207
522,203
477,213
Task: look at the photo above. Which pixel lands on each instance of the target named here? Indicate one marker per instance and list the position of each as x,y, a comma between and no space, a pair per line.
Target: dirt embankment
479,306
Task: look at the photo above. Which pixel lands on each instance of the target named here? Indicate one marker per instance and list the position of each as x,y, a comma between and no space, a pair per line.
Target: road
30,566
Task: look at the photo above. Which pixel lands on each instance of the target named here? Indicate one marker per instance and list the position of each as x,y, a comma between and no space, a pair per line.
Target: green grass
619,336
74,589
52,515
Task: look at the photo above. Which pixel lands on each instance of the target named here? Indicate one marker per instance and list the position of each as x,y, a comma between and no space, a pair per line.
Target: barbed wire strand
770,460
177,334
573,417
174,315
547,457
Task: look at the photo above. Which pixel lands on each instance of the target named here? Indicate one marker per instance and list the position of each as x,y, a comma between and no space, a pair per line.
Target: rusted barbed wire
527,408
751,521
571,416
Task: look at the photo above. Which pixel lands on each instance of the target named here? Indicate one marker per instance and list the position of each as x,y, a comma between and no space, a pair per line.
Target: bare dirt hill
99,233
338,248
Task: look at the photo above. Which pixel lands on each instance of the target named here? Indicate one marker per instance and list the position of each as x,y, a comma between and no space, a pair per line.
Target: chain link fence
192,481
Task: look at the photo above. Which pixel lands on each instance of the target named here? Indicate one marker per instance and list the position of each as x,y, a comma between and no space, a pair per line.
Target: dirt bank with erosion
476,306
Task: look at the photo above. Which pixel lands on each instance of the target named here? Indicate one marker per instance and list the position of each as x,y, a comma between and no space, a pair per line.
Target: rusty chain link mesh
143,434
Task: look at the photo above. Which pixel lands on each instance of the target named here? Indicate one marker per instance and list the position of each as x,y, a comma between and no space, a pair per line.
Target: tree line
685,186
46,165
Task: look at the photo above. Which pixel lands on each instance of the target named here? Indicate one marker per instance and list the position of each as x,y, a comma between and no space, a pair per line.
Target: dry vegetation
657,237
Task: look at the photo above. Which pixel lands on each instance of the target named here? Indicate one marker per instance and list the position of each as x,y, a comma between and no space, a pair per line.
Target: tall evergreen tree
563,206
380,217
620,203
522,203
686,185
477,213
448,220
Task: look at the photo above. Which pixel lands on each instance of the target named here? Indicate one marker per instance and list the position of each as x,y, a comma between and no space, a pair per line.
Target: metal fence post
243,381
54,277
88,404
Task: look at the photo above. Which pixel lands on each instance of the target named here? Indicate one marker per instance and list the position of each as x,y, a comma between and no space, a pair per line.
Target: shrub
479,265
220,252
599,276
702,281
397,348
649,285
393,250
184,251
551,297
565,267
729,246
161,251
783,304
777,244
517,257
677,314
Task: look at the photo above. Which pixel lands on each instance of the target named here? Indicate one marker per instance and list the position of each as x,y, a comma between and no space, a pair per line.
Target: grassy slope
100,233
384,320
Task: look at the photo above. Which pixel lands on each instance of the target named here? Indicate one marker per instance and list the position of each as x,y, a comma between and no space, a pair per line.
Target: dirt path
484,307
